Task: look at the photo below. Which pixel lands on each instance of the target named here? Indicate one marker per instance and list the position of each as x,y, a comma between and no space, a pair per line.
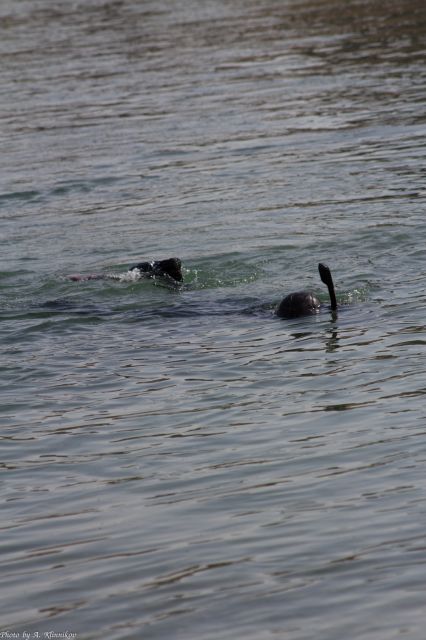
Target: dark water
178,462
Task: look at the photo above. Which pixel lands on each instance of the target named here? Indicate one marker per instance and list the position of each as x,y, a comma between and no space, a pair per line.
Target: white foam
132,275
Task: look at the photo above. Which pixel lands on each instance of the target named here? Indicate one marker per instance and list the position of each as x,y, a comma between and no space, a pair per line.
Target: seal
171,267
168,268
304,303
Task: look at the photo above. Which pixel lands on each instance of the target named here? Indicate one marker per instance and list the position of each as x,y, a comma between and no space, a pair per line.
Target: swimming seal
303,303
169,268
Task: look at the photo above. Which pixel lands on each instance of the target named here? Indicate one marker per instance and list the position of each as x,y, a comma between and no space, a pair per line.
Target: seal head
299,303
171,267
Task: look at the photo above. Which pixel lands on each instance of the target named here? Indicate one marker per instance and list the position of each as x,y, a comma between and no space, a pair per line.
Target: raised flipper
325,275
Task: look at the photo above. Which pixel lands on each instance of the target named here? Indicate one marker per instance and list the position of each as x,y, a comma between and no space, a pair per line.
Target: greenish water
179,462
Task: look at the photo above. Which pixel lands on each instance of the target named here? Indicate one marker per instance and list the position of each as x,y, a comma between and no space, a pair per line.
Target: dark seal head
305,303
299,303
171,267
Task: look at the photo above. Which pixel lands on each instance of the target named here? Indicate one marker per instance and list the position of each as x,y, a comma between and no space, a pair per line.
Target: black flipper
325,275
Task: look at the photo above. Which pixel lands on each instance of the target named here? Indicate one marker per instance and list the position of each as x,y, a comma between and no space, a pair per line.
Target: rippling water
179,462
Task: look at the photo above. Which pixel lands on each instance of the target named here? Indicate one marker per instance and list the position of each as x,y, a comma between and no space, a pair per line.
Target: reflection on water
182,463
332,341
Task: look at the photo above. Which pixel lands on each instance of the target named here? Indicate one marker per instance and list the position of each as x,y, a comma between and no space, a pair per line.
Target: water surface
178,462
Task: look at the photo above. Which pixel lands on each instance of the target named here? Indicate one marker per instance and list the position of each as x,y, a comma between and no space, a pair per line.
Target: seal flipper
325,275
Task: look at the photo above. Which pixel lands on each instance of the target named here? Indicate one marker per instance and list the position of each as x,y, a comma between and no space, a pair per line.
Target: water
180,463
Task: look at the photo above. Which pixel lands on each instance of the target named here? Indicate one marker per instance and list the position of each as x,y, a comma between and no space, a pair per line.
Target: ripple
185,448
